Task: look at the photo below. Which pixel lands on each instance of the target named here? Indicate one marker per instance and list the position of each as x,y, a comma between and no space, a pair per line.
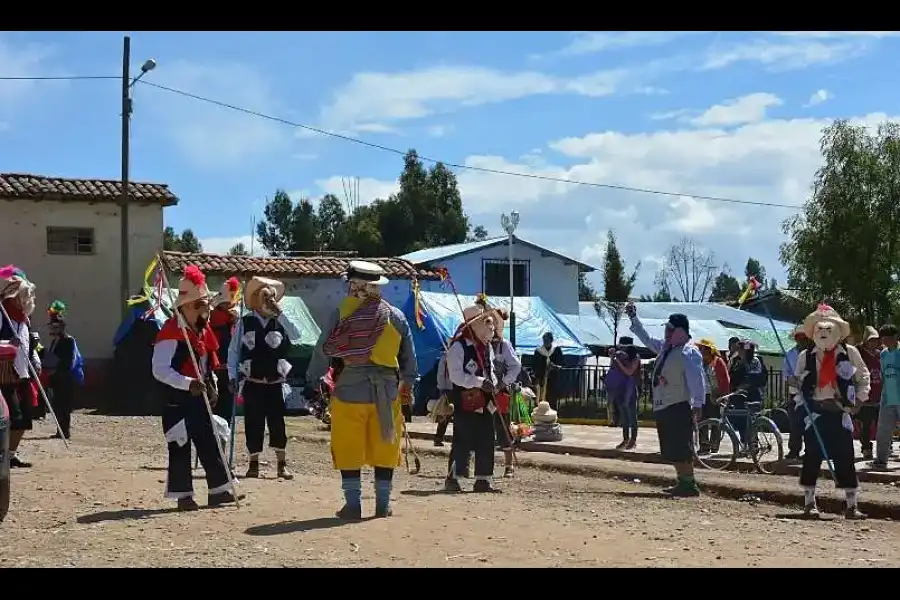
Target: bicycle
760,434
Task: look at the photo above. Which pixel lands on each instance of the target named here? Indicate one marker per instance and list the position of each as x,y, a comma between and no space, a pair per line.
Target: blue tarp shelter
442,316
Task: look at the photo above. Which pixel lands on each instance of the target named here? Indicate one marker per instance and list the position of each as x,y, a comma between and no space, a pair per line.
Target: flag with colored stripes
420,314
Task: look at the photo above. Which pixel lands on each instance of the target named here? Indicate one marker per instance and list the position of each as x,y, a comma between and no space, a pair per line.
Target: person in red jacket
718,384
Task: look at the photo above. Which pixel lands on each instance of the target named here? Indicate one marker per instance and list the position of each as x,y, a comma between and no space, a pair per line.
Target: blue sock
352,487
383,494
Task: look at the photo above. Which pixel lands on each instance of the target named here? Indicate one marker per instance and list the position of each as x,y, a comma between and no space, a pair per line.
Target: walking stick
237,390
183,326
809,413
410,448
23,347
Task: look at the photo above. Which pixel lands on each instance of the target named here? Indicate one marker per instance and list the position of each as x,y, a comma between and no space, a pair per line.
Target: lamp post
127,84
509,223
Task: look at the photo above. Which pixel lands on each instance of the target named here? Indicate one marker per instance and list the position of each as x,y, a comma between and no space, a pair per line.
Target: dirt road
102,505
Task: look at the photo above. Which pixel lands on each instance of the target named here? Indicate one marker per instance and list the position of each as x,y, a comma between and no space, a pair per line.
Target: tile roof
18,186
304,266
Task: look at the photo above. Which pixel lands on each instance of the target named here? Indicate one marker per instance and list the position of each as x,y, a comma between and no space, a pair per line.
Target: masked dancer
507,368
222,319
17,348
185,417
258,370
834,381
470,360
63,363
374,342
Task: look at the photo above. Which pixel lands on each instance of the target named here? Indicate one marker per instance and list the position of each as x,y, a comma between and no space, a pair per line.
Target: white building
484,267
65,235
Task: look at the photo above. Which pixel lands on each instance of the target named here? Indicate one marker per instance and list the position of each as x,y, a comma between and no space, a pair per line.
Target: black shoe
221,499
284,472
383,513
348,513
253,470
438,444
853,514
484,487
187,505
17,463
451,486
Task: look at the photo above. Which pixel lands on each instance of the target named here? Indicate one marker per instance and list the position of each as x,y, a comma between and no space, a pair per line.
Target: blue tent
442,316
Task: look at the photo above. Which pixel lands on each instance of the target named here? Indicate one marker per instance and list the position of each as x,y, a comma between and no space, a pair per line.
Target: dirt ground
101,505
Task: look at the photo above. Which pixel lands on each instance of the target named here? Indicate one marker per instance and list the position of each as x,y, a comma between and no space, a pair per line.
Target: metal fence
583,393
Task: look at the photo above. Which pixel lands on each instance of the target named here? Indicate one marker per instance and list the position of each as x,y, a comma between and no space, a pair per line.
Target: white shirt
507,356
163,352
462,374
23,334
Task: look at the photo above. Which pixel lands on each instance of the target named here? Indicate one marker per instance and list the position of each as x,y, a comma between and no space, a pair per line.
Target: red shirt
873,363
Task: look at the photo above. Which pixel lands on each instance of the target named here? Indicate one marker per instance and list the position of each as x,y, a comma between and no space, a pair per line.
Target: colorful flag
420,314
442,272
752,286
148,283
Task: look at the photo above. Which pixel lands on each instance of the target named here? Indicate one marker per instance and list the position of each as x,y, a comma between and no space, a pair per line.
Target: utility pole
126,150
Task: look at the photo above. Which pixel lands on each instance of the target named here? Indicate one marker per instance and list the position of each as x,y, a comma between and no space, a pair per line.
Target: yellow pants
356,436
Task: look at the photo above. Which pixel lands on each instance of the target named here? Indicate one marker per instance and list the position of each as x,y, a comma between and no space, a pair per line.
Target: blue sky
734,115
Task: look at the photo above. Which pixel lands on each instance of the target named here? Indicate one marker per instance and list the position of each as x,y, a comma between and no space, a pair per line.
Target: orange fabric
828,369
723,379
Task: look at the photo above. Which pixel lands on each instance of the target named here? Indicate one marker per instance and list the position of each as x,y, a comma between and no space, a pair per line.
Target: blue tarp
442,316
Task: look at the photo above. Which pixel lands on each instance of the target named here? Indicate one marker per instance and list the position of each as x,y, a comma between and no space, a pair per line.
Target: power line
60,78
399,152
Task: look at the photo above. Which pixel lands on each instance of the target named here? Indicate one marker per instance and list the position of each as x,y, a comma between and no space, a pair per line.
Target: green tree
617,286
239,250
478,234
844,246
276,228
725,288
332,223
586,291
185,242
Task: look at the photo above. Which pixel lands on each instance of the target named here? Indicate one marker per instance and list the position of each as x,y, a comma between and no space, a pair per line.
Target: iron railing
583,394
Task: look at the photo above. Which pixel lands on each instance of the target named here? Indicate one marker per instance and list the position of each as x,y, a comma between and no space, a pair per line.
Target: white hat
870,333
257,283
192,286
542,413
360,270
825,313
229,293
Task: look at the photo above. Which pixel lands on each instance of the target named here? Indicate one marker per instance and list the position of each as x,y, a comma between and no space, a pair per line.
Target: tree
617,286
844,246
239,250
479,233
332,223
688,270
725,287
186,242
287,226
755,269
586,291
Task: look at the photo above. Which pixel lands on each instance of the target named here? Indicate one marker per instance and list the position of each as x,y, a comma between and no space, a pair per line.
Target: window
496,278
70,240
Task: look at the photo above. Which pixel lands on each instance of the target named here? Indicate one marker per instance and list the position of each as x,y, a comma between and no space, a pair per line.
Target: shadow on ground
287,527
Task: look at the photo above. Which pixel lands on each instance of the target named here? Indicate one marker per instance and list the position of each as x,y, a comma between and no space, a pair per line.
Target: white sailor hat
360,270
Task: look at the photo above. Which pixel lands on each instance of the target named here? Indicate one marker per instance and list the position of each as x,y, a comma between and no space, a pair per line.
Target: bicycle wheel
715,445
766,445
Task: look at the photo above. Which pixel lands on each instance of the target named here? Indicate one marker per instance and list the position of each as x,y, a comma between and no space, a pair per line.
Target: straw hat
229,292
360,270
192,286
542,413
827,314
11,280
474,313
870,333
798,331
251,297
708,343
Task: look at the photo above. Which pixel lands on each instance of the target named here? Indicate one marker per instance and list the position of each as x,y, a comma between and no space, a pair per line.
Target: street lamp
127,84
509,223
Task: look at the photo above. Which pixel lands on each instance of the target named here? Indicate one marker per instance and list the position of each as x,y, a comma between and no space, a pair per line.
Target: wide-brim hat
543,413
870,333
257,283
825,313
192,287
360,270
474,313
708,343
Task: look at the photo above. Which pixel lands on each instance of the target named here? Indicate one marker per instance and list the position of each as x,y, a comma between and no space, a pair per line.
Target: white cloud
838,34
439,130
819,97
208,136
785,56
592,42
737,111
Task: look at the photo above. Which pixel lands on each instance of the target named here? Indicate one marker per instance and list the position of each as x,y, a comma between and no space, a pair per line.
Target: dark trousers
839,446
200,432
441,430
264,405
796,415
21,410
62,397
473,432
225,406
501,431
868,418
710,410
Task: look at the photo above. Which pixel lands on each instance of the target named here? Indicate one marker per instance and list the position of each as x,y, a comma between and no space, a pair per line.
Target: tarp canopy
442,316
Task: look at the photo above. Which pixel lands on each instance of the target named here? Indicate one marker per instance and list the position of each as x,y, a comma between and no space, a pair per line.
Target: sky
734,115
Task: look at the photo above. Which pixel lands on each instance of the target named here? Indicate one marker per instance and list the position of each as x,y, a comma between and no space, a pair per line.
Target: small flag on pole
752,286
420,314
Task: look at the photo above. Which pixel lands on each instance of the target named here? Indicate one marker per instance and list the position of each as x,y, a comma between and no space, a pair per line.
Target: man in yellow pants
373,340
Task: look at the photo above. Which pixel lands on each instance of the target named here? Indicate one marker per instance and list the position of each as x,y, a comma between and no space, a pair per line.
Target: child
890,395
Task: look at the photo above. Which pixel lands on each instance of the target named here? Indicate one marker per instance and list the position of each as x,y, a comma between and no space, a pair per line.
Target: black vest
470,356
180,358
263,358
809,384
